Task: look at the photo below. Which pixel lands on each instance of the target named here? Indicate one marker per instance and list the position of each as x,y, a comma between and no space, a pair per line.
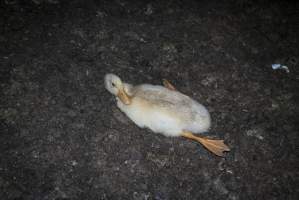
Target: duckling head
116,87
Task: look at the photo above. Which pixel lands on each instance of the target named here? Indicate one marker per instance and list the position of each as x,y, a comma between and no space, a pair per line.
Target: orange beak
124,97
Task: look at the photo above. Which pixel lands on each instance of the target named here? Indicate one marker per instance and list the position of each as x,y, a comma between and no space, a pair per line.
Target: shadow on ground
62,137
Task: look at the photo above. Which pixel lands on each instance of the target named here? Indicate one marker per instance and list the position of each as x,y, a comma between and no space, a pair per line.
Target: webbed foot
215,146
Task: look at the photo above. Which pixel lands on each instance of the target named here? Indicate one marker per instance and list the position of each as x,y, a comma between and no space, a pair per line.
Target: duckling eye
113,84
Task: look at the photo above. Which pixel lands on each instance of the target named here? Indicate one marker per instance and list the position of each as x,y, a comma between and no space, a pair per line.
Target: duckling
165,110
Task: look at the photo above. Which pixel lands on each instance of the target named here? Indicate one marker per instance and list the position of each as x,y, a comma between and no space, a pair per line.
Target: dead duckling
164,110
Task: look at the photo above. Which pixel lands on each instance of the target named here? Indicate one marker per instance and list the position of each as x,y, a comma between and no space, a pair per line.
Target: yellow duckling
164,110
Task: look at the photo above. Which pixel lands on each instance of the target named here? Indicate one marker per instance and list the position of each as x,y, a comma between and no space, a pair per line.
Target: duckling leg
215,146
168,85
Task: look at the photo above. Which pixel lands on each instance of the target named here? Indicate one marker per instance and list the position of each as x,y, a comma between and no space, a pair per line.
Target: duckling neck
128,88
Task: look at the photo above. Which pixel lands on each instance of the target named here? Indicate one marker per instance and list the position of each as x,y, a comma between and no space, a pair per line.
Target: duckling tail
215,146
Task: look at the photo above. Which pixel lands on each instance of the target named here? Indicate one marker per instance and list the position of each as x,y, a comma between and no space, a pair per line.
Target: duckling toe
168,85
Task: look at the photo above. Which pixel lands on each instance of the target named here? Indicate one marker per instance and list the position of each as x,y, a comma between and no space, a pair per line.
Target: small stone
71,113
170,48
74,163
219,186
255,133
149,9
208,81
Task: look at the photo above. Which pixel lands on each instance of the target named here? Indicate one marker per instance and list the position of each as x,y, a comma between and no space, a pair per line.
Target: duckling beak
124,97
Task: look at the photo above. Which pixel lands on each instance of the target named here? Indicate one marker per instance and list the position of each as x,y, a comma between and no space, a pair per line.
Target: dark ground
62,137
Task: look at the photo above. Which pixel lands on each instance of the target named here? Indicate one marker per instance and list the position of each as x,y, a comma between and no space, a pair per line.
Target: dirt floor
62,136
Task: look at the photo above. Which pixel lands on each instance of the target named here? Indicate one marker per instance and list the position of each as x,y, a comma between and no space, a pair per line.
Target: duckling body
164,110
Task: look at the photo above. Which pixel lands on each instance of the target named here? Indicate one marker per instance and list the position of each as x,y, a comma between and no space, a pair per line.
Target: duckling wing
161,96
186,110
